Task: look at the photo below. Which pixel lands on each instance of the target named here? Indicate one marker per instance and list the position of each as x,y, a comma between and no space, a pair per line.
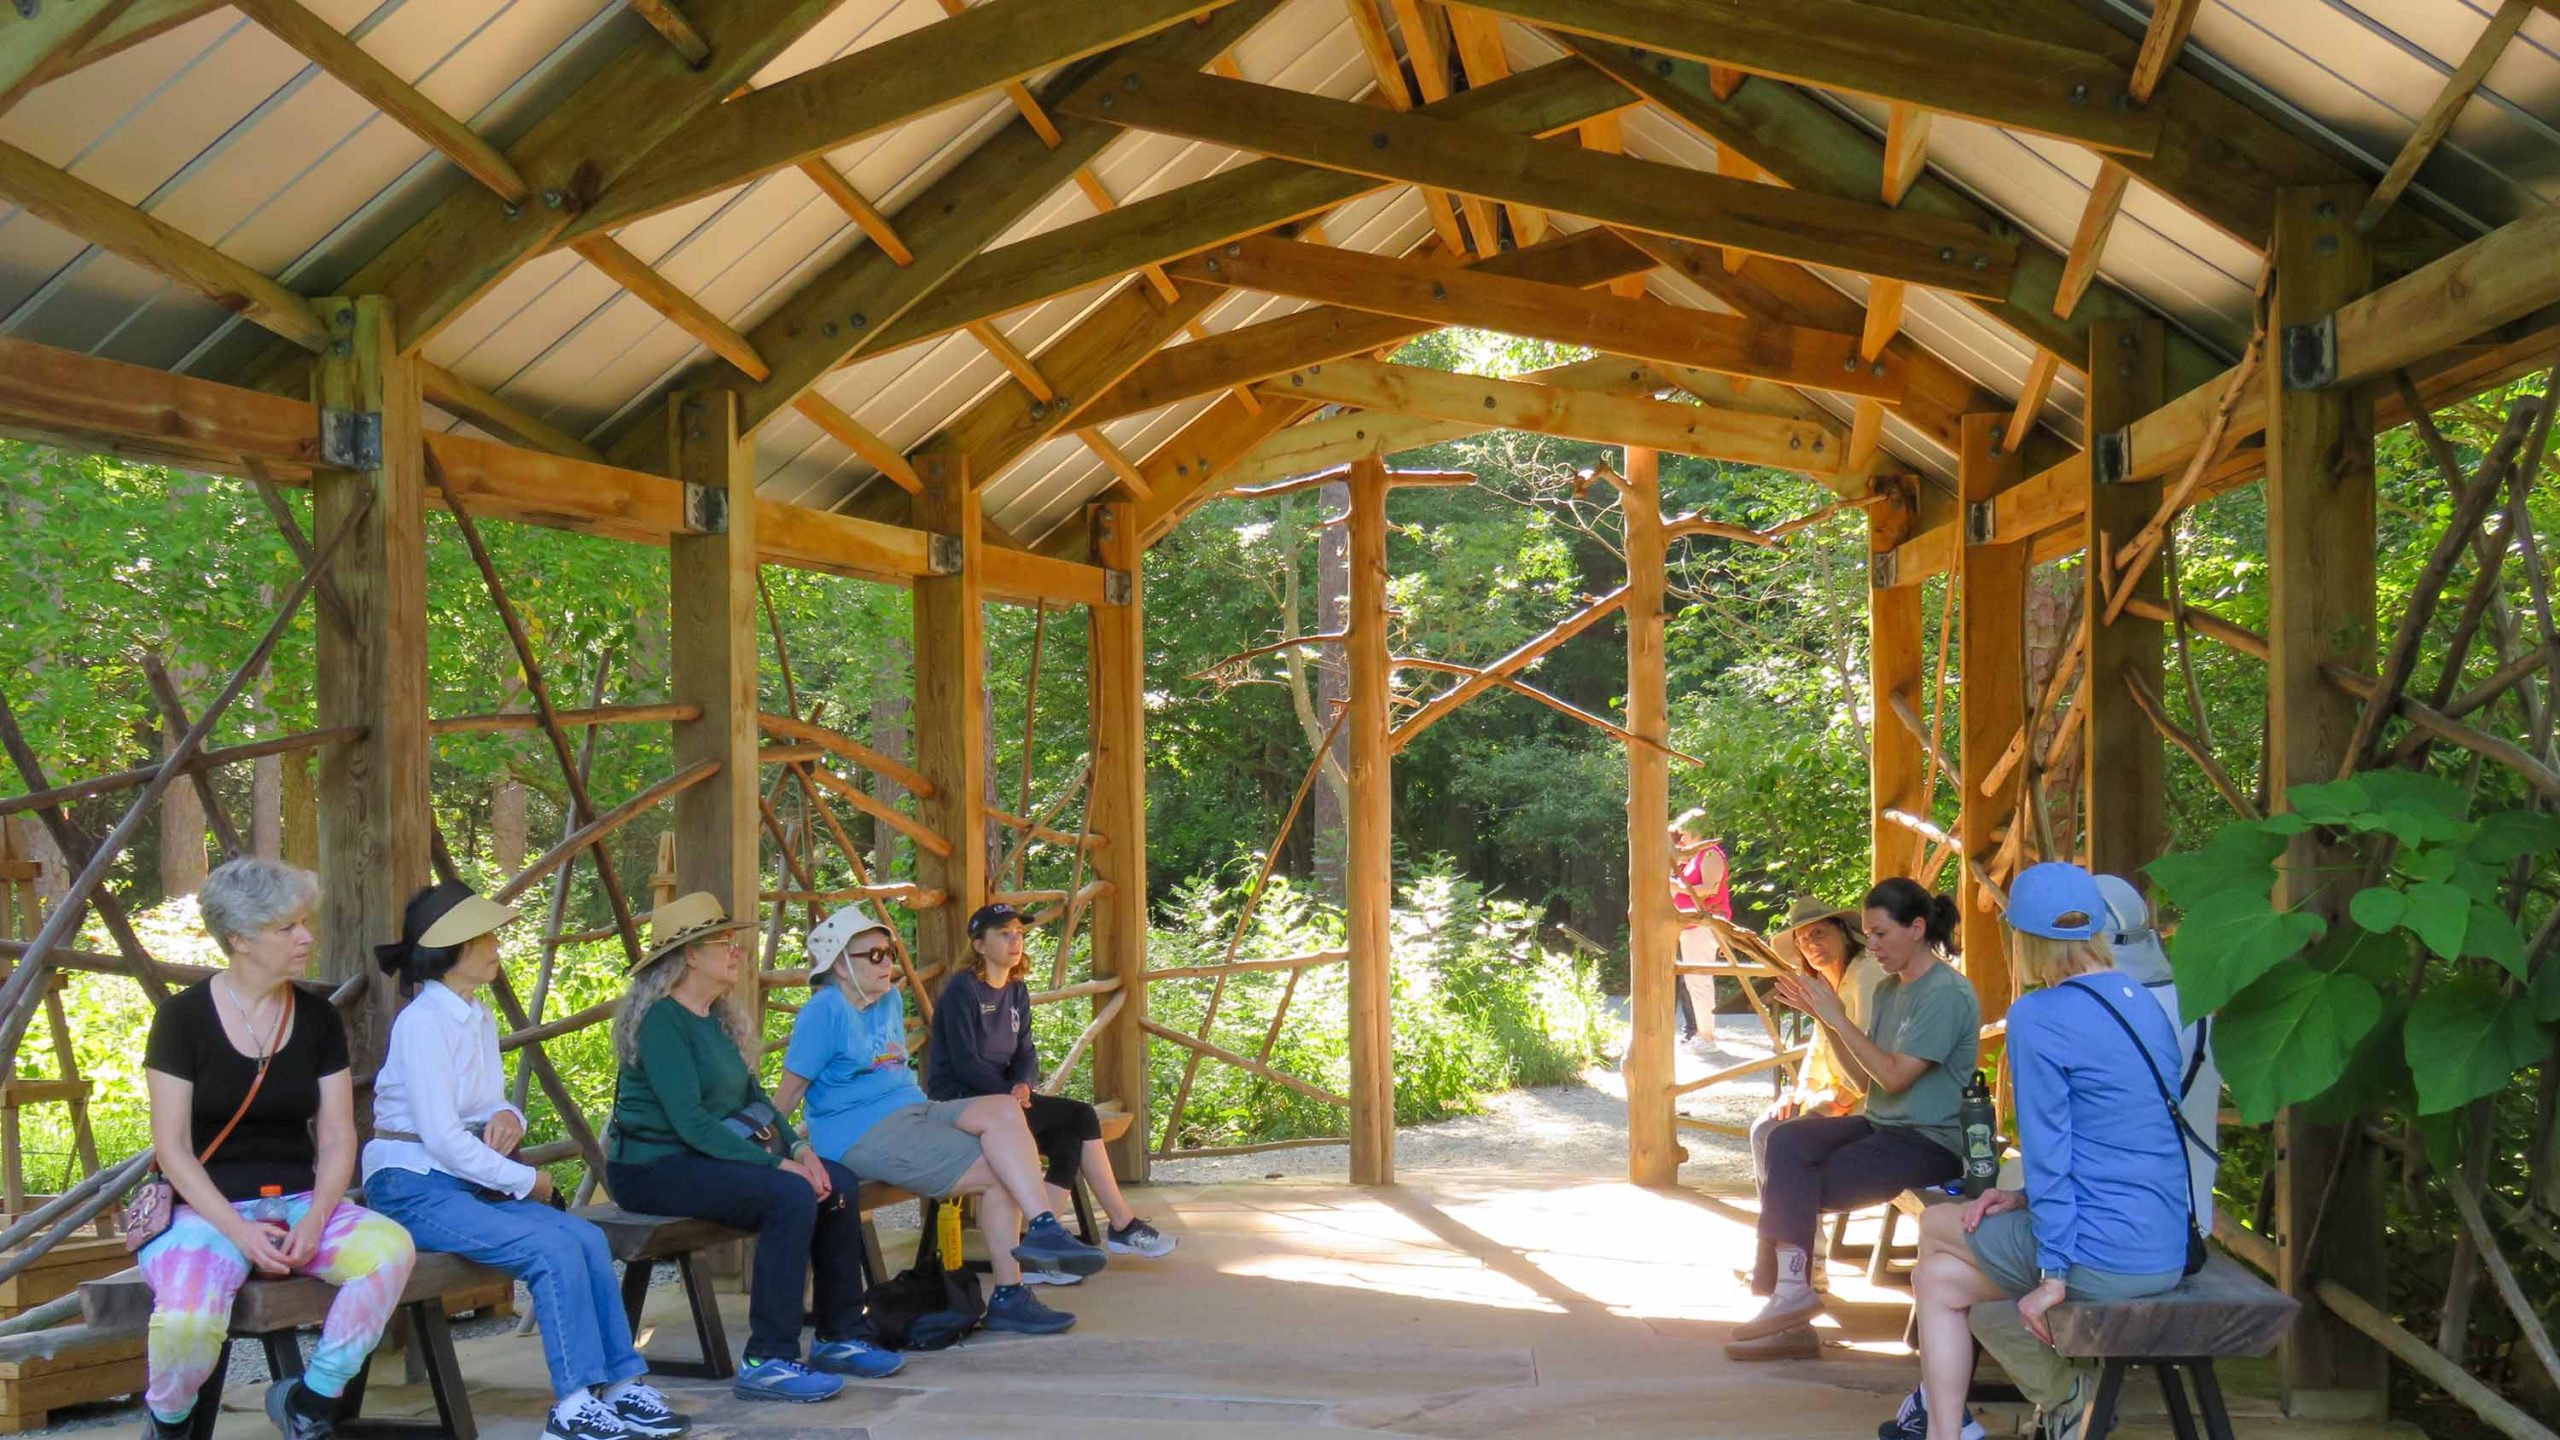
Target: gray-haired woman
253,1123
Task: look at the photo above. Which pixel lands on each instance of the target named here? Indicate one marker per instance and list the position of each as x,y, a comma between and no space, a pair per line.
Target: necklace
261,1036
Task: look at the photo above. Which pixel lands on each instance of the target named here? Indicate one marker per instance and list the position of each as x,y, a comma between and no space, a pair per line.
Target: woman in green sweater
694,1134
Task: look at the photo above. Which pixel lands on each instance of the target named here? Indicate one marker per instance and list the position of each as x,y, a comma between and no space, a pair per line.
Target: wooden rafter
38,42
2438,120
373,82
139,21
1577,414
850,307
1429,41
1380,51
1994,76
2080,264
1644,329
672,27
1422,148
828,106
1477,39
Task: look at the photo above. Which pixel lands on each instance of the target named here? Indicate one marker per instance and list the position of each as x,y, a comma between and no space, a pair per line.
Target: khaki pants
1698,947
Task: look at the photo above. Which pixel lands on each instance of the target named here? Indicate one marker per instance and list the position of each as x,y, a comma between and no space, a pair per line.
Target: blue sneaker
858,1358
1046,1245
785,1380
1016,1309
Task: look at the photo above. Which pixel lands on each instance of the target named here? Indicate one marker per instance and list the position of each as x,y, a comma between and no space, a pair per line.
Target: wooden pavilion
981,300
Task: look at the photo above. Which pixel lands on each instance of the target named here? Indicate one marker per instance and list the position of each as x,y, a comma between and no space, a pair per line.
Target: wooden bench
271,1311
2222,1310
1115,1123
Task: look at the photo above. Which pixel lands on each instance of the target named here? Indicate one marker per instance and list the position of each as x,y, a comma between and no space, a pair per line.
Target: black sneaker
293,1421
643,1411
1911,1422
1016,1309
585,1418
155,1428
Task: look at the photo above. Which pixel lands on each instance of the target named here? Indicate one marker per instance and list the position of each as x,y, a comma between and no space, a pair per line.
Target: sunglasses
876,955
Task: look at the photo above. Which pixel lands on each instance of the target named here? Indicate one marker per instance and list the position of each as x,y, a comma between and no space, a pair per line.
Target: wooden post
1116,685
712,657
1370,873
951,714
1991,593
2123,771
2320,542
1894,668
371,665
1653,1148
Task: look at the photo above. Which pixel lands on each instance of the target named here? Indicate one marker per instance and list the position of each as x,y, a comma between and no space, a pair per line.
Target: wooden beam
1311,445
713,658
829,106
849,307
1116,708
1578,414
2123,765
669,22
2438,120
2080,266
1429,41
38,41
2162,39
2031,396
1806,144
1370,866
1380,51
1421,148
867,446
371,663
1990,595
951,713
1998,78
2320,611
687,314
1653,1147
348,63
1477,37
134,23
92,214
1895,675
1330,332
500,416
1906,150
1644,329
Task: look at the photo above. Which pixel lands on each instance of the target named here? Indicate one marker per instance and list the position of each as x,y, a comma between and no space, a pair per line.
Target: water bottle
947,1234
1981,1122
269,1207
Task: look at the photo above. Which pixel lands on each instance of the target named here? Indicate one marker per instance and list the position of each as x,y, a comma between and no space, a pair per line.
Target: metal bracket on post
2311,354
1980,526
1880,569
706,509
351,439
1116,589
2111,457
943,554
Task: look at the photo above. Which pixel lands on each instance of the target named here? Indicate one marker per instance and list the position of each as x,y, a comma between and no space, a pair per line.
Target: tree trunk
53,880
266,807
892,709
300,802
1333,689
182,822
507,824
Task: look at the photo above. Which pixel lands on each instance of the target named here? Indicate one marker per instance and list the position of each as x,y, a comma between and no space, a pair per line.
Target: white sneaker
1049,1277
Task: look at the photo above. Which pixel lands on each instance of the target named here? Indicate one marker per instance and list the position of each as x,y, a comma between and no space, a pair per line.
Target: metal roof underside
220,130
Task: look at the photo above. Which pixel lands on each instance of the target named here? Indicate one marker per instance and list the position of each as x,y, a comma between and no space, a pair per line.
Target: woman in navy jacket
982,1046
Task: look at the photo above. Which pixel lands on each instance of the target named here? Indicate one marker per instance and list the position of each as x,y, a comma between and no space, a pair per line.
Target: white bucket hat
829,937
2130,934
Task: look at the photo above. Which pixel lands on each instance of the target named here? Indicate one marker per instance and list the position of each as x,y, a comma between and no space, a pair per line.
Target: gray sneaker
1139,1238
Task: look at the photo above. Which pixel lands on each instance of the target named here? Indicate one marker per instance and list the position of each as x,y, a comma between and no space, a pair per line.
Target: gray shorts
2005,1247
920,1148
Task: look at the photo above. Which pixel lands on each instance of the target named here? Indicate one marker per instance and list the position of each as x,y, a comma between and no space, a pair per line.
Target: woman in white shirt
441,1164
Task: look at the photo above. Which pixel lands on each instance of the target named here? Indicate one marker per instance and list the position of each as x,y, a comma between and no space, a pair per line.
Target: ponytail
1910,903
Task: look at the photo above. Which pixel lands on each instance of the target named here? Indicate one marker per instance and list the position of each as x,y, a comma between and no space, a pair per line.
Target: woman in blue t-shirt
848,1056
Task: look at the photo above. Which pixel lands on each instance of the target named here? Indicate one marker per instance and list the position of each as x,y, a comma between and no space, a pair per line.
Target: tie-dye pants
195,1272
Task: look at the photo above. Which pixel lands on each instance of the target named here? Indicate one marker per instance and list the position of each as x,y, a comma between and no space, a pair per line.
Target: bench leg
2217,1420
707,1329
2101,1415
2173,1394
432,1336
209,1396
1880,1260
1083,1199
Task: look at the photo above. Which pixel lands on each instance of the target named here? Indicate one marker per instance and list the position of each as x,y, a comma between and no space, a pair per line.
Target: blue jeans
803,1248
562,1259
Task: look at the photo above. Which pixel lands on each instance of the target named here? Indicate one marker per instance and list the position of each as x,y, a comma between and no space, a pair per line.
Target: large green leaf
2466,1039
2440,914
2492,937
2230,939
2379,958
2376,1078
2335,803
2239,857
2510,833
2288,1038
2415,793
2545,992
2379,908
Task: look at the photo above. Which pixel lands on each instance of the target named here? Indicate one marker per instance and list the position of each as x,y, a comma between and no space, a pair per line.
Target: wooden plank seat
272,1311
2222,1310
641,1241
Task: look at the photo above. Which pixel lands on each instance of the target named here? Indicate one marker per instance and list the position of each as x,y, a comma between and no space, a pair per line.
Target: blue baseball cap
2057,901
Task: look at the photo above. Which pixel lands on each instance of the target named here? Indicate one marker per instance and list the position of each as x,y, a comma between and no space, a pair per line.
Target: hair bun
394,958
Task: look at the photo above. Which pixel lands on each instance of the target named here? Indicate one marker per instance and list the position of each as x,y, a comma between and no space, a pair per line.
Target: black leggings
1059,1127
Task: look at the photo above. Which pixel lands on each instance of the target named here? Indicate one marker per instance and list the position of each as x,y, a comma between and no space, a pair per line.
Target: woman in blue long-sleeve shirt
982,1046
2105,1214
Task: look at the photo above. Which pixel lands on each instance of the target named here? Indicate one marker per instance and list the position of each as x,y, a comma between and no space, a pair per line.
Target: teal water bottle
1981,1122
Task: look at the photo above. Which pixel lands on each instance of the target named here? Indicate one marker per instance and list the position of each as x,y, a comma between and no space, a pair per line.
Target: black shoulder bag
2179,1130
925,1307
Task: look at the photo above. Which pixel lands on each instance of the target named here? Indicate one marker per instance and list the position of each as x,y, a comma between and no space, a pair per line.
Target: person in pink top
1701,885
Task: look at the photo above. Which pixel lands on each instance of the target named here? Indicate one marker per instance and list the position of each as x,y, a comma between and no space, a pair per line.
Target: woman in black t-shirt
267,1197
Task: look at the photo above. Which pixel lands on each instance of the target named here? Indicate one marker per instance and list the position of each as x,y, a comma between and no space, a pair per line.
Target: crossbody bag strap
2168,1101
275,1042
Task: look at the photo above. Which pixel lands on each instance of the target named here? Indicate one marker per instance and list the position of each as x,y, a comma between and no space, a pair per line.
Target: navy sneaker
289,1407
858,1358
1911,1422
1046,1245
1014,1308
785,1380
1139,1238
645,1412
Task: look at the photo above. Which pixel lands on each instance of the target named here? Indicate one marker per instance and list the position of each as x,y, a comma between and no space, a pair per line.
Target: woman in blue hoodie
2106,1214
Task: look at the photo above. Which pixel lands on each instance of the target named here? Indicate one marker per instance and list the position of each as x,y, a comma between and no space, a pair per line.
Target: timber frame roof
902,227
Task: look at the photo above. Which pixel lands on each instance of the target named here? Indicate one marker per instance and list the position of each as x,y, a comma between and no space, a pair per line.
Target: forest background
1509,816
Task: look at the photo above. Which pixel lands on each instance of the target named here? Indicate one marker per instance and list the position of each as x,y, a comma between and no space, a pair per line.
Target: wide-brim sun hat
829,937
682,921
2130,933
2057,901
1804,911
440,917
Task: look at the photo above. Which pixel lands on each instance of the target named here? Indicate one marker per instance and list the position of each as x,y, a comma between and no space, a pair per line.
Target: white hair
650,984
244,896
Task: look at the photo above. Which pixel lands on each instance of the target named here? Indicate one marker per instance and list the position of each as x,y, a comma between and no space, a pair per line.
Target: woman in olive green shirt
682,1145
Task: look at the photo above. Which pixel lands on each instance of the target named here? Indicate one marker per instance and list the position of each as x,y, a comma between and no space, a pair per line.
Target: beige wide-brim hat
682,921
1803,912
471,917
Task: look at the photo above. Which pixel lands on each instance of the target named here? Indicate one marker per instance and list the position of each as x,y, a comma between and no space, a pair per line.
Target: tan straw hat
1804,911
471,917
682,921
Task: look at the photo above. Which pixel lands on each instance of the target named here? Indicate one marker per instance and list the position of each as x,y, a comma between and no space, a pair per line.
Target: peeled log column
713,659
1653,1148
1991,583
1371,848
1116,682
2124,769
1894,673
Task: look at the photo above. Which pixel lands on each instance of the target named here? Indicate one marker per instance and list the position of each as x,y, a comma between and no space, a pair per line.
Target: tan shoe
1796,1342
1780,1314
